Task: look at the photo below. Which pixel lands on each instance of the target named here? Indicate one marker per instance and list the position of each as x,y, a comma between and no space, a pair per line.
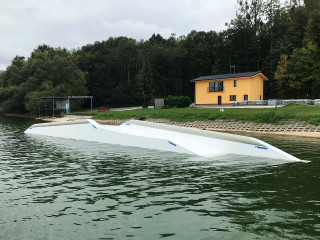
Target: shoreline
293,129
19,115
296,129
286,134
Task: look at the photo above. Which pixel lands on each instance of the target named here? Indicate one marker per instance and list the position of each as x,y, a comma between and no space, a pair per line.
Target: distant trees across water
280,40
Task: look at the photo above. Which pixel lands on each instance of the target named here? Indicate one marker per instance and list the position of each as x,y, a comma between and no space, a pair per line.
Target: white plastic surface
162,137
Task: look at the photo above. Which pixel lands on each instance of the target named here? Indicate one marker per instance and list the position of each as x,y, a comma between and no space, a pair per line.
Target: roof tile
224,76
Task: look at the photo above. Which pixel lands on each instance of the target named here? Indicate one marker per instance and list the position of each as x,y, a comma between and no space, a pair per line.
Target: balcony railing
209,89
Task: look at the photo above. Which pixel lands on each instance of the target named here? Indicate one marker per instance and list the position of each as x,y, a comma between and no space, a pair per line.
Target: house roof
224,76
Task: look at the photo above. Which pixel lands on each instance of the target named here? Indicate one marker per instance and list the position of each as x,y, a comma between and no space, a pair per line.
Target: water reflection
65,189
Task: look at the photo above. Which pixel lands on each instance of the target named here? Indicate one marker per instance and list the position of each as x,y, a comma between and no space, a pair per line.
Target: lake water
63,189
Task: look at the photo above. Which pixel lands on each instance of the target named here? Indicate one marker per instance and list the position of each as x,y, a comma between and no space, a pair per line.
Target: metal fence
274,102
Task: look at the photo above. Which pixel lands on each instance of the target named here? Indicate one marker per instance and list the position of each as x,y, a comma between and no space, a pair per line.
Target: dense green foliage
309,114
281,40
48,72
145,84
178,101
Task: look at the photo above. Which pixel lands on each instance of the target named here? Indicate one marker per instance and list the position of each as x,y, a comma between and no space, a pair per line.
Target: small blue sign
259,147
172,143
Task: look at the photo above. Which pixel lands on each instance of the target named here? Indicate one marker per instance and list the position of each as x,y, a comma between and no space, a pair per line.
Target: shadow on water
53,188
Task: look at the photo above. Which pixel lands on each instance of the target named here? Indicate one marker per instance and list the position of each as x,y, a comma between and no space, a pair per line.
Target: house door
245,97
219,100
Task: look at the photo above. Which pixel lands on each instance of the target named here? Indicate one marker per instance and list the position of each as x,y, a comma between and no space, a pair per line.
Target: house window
233,98
234,83
245,97
215,86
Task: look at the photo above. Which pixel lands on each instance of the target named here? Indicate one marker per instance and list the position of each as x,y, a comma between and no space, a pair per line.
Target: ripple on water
62,189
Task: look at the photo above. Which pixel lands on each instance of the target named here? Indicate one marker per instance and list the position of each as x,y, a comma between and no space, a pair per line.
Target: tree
14,73
282,78
312,33
145,84
304,71
276,20
282,40
298,76
59,76
48,72
248,24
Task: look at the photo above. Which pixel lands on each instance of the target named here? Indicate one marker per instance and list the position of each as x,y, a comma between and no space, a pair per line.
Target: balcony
215,87
211,89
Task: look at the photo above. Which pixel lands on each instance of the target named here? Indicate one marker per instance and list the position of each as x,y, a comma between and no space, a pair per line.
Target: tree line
281,40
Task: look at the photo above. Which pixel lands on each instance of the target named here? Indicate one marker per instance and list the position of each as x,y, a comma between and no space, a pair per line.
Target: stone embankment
289,128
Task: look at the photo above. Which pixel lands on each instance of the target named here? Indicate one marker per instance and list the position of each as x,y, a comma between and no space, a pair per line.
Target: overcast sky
25,24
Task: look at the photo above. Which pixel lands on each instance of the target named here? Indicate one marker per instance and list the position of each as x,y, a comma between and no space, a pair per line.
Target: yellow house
228,88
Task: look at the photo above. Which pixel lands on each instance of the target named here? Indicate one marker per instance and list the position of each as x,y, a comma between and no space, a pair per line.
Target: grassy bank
310,114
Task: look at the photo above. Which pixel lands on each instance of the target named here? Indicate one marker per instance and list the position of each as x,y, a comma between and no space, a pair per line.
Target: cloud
73,23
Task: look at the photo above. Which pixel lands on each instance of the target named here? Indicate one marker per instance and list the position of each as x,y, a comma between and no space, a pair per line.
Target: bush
269,116
178,101
214,116
315,121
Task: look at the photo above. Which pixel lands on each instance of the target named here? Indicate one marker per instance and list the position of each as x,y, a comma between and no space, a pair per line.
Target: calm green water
63,189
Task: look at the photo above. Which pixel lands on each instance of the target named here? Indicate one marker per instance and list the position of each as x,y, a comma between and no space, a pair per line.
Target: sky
26,24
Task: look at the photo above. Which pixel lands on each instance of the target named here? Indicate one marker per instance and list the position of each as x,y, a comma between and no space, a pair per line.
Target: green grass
310,114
